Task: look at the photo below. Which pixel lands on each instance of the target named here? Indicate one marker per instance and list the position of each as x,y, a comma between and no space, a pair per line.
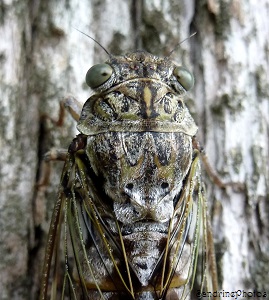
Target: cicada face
131,188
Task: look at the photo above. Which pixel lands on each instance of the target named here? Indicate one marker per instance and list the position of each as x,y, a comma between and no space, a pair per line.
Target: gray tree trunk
43,58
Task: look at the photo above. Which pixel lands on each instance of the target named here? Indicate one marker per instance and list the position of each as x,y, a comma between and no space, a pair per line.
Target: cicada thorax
135,182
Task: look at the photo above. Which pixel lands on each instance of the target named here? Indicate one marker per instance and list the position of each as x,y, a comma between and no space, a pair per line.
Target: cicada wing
100,259
211,274
51,283
187,239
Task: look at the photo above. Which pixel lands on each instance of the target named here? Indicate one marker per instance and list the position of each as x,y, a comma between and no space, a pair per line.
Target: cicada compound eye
98,75
184,77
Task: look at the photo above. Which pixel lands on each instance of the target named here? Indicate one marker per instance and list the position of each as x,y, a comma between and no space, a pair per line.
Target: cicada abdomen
130,194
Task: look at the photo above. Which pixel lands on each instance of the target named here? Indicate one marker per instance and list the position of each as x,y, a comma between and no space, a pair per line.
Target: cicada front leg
74,107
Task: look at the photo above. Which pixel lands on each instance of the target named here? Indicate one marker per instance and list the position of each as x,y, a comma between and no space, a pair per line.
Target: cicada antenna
180,44
109,54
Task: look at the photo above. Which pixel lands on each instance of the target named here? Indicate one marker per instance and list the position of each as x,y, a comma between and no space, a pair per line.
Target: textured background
43,58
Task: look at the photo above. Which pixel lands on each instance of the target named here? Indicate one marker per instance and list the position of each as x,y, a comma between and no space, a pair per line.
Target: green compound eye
184,77
98,74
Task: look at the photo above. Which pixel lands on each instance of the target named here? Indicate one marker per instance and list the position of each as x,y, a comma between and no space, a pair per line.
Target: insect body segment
132,190
142,94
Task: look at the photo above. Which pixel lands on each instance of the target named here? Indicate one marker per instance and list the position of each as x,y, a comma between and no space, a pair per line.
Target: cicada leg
69,103
74,107
237,186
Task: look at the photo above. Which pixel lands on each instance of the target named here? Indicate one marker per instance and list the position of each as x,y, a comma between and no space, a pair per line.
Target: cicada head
137,92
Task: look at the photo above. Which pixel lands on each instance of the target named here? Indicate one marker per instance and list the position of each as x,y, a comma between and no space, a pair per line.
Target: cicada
131,203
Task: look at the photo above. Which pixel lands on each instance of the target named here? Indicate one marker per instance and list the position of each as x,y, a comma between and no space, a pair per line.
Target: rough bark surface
43,58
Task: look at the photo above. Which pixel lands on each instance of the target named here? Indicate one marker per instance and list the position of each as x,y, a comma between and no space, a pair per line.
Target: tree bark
43,58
